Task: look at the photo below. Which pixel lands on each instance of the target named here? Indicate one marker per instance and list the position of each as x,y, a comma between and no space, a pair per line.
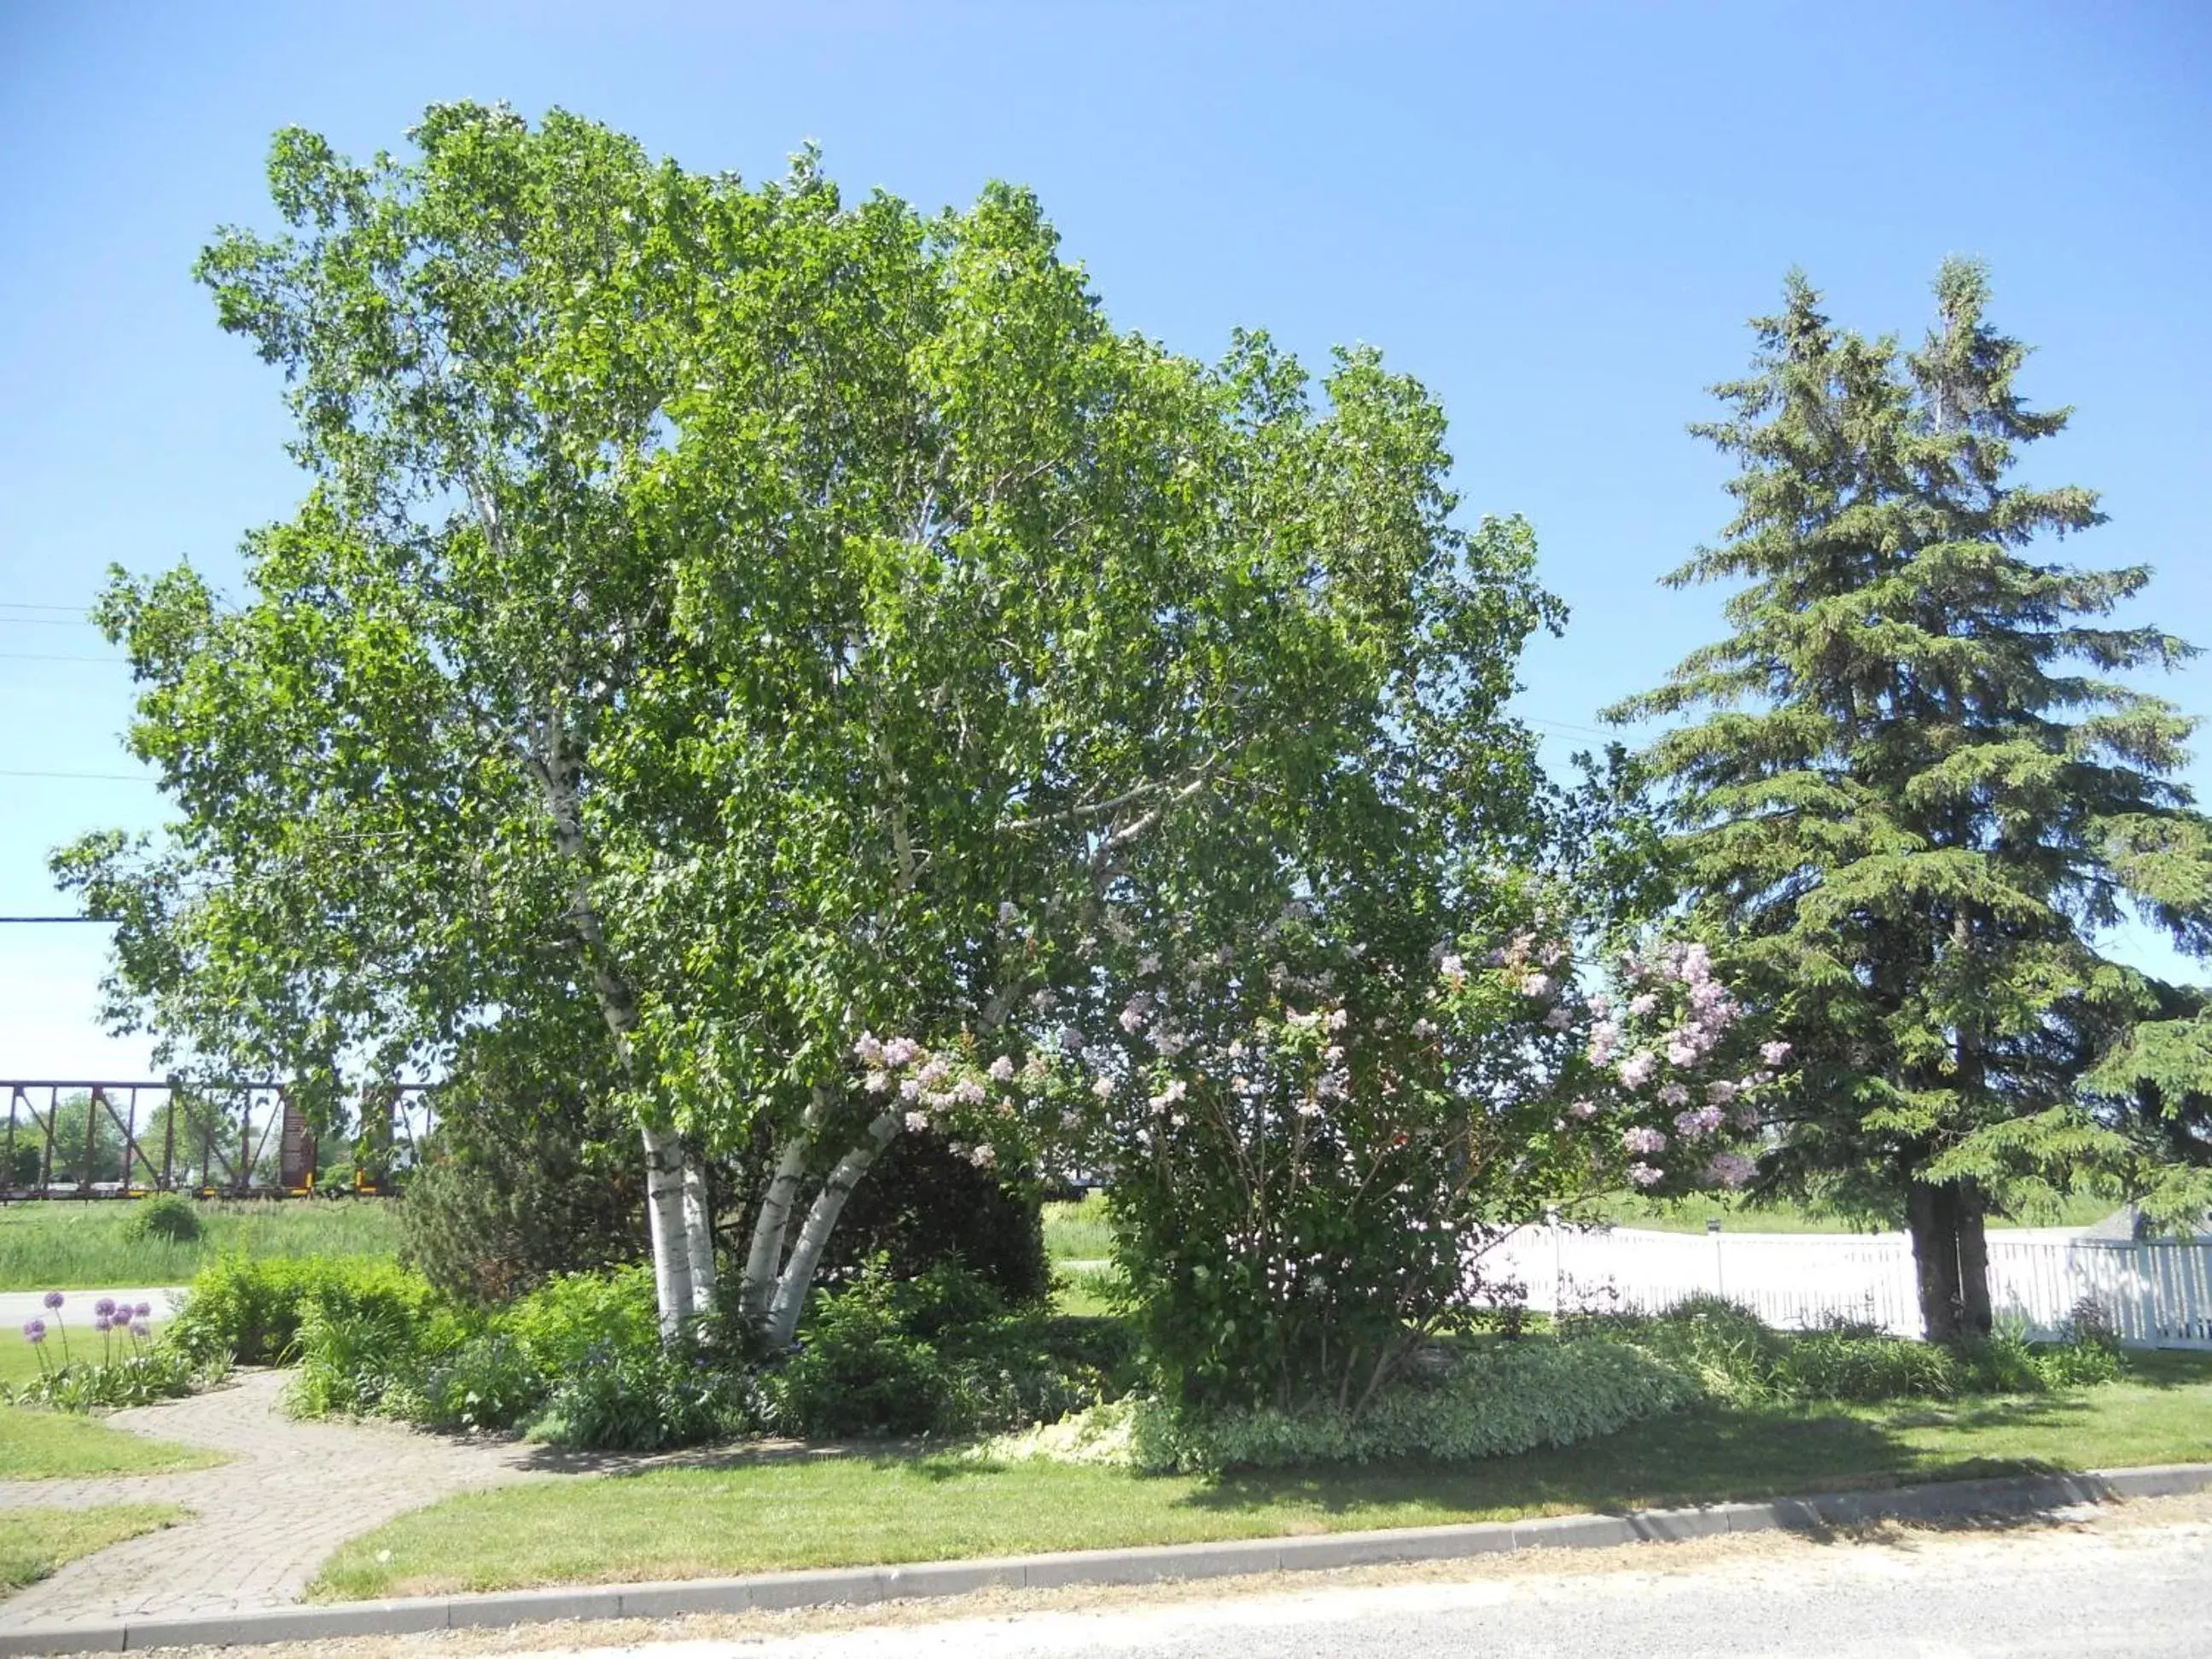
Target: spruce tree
1916,799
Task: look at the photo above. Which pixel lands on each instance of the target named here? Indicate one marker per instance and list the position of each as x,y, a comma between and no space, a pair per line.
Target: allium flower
916,1123
101,1323
140,1330
1731,1169
869,1050
35,1331
53,1298
145,1310
1774,1053
983,1158
876,1082
1642,1141
1002,1069
1644,1175
1637,1069
105,1307
970,1092
899,1051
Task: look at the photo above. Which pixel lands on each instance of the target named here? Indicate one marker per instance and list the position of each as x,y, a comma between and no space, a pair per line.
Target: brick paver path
292,1493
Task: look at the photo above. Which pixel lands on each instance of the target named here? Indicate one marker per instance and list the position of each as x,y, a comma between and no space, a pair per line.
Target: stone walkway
264,1521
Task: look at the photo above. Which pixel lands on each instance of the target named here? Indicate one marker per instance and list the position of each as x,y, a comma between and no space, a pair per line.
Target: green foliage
496,1210
1737,1359
1924,789
922,1205
137,1379
1495,1401
166,1216
246,1312
941,1355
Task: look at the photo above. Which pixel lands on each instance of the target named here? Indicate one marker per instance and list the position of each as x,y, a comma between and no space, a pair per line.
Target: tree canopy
1925,791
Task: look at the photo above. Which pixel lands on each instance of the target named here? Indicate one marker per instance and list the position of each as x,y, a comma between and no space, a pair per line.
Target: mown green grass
37,1444
34,1542
67,1244
819,1512
1690,1214
19,1360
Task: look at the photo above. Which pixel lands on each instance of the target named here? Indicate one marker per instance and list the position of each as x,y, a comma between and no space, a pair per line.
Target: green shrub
489,1381
351,1356
630,1401
569,1316
1834,1365
922,1208
939,1355
168,1217
1495,1401
245,1312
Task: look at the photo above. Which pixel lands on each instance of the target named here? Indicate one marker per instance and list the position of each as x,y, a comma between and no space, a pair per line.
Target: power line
42,656
29,921
21,604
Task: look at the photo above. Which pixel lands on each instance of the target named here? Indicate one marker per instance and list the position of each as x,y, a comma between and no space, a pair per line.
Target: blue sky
1558,217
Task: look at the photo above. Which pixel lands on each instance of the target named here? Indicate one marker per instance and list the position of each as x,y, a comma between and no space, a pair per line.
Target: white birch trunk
664,1210
797,1278
698,1237
764,1256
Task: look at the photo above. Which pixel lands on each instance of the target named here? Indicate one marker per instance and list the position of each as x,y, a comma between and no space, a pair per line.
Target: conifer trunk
1951,1259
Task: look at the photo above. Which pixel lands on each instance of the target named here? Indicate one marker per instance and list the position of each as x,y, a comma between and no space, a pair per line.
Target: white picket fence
2155,1294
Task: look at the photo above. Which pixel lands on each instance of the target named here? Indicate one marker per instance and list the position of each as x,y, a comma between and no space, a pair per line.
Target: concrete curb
848,1586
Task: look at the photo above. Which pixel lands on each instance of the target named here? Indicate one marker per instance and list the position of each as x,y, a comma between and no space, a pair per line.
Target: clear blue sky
1557,215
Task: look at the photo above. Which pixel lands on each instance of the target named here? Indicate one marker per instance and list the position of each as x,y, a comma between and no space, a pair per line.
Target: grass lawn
675,1523
33,1542
36,1444
68,1245
1689,1215
1078,1232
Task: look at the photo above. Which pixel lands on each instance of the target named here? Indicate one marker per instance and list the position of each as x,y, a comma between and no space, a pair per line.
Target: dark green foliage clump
940,1355
166,1216
921,1207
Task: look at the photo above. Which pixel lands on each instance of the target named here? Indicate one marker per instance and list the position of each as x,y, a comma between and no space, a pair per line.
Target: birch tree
729,627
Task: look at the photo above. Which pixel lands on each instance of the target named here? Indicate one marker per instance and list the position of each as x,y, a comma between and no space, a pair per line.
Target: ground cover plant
60,1244
752,1516
33,1542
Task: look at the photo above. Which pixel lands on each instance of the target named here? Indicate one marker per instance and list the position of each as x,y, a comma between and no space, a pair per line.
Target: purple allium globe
101,1324
144,1311
140,1330
105,1307
54,1299
35,1331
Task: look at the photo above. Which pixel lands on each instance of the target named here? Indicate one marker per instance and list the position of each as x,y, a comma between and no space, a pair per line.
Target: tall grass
60,1244
1078,1232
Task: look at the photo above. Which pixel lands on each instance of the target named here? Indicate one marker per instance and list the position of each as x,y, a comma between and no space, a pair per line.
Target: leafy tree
725,621
1921,796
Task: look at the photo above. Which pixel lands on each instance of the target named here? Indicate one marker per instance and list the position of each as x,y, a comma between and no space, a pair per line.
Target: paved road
16,1306
2113,1589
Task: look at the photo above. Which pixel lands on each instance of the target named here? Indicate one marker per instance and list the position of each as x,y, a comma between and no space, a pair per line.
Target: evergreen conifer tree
1918,798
